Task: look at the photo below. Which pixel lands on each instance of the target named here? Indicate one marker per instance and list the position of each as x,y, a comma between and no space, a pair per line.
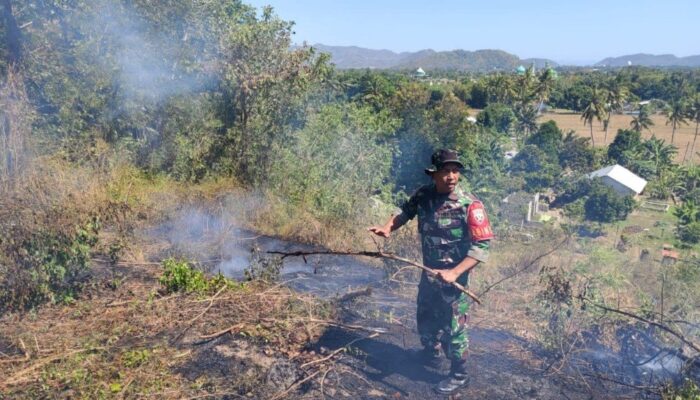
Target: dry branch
525,268
659,325
375,254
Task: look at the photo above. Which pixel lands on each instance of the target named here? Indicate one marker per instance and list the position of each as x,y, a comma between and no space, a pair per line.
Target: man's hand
382,231
447,275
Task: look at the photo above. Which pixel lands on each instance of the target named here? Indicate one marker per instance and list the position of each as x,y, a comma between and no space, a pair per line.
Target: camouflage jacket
452,226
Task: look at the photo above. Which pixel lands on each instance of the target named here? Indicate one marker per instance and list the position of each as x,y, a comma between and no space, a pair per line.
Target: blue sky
567,31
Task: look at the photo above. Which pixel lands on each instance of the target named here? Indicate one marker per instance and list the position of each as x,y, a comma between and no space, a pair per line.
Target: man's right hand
380,231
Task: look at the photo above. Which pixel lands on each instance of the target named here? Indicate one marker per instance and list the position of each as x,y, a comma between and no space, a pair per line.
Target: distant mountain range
346,57
650,60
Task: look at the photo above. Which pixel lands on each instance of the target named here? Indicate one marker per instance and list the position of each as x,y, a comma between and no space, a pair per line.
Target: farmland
567,120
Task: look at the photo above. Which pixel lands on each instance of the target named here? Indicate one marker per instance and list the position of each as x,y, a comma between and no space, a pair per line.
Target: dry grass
572,121
130,341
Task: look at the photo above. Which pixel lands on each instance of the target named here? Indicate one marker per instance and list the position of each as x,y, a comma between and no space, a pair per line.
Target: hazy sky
567,31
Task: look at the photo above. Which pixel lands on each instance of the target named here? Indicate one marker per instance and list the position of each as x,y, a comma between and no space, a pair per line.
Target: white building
622,180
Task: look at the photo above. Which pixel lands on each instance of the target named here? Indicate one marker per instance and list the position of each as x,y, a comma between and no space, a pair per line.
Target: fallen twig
375,254
337,351
19,377
193,320
223,332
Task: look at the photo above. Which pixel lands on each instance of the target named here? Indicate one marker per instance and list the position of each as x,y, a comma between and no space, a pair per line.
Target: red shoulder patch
478,222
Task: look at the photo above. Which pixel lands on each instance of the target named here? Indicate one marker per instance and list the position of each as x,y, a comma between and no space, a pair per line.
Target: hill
651,60
347,57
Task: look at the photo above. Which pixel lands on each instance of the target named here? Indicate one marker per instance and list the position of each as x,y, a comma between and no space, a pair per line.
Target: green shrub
43,262
605,205
181,276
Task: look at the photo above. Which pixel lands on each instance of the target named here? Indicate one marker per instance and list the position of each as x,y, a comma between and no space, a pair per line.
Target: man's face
446,178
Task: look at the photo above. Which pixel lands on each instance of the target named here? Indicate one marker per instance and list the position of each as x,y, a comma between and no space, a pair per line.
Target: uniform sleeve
409,209
479,230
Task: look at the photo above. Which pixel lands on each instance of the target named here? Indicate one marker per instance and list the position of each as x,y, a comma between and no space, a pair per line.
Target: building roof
420,72
622,175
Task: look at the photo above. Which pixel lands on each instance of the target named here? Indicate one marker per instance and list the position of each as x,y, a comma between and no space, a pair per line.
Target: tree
642,120
675,115
497,116
576,153
615,95
595,109
659,153
625,140
606,205
548,138
545,82
694,115
526,118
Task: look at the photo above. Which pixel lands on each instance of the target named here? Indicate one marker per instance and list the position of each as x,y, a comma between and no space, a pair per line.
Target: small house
620,179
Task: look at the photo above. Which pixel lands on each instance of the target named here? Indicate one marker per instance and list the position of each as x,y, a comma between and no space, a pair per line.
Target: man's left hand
447,275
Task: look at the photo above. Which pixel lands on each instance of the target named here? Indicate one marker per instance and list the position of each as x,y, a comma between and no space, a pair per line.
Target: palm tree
694,115
594,109
615,95
526,118
525,85
675,115
642,120
500,89
544,86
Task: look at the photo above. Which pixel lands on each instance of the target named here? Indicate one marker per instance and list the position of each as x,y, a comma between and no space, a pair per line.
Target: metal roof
622,175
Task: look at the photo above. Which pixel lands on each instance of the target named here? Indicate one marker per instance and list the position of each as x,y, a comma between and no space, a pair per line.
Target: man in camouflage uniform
455,234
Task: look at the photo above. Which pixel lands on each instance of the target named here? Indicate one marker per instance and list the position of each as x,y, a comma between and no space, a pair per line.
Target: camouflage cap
442,157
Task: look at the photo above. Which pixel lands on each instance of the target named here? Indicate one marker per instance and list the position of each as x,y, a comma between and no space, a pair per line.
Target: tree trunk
12,33
673,132
692,149
605,125
592,140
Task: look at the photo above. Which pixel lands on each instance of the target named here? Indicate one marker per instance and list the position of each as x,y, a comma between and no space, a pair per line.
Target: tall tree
694,115
545,82
595,109
642,120
615,95
675,115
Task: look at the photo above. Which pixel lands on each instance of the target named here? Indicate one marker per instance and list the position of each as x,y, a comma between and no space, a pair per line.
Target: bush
605,205
497,116
689,233
46,263
181,276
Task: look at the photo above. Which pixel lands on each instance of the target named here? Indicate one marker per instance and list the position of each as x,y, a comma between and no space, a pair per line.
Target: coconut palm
615,95
675,115
694,115
594,109
500,89
642,120
545,82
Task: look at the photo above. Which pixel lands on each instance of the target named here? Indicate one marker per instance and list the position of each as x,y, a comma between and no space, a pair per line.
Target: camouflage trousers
443,316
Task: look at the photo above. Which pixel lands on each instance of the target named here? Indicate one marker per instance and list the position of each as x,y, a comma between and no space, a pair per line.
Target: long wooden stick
375,254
